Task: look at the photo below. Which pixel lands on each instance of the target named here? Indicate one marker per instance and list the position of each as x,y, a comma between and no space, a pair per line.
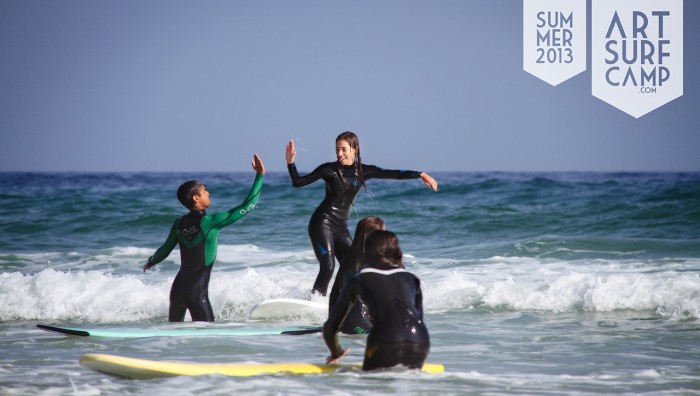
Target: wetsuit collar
346,167
382,271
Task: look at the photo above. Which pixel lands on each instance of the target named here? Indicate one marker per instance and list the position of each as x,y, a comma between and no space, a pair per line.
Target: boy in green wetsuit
197,234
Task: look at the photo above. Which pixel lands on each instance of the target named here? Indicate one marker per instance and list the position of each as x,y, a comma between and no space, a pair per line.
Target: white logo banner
554,39
637,53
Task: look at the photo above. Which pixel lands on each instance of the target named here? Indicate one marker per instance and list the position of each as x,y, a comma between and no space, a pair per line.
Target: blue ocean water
534,283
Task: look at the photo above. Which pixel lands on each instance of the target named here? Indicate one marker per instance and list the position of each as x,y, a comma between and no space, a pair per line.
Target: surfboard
178,332
289,308
133,368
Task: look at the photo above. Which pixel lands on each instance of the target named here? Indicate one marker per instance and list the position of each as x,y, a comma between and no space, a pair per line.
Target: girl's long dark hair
382,247
354,143
365,228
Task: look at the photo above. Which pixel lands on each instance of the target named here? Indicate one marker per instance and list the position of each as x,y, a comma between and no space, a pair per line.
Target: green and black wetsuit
328,227
197,234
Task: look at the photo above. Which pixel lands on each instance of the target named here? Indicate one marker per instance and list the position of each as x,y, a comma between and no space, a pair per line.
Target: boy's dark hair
382,247
186,191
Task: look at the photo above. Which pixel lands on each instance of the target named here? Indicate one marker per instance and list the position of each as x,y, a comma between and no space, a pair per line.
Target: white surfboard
289,308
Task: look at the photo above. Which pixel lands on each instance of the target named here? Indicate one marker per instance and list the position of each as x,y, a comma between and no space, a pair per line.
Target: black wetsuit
328,227
357,320
197,234
395,303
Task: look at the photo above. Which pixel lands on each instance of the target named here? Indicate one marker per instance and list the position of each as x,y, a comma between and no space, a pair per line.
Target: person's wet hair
365,228
187,191
354,143
382,247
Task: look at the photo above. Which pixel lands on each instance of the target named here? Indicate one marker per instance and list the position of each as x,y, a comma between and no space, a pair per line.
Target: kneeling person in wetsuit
357,320
395,303
197,234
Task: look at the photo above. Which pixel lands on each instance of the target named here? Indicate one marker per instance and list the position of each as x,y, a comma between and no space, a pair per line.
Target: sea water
534,283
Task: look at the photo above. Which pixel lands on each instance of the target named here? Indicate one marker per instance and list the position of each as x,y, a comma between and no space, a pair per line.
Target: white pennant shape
637,53
554,39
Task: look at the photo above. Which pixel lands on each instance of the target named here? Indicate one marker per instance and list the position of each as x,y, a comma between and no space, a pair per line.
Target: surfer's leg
177,310
202,312
200,307
321,236
198,297
176,313
342,244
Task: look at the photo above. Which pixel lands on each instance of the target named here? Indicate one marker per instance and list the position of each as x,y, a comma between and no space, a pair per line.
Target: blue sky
200,86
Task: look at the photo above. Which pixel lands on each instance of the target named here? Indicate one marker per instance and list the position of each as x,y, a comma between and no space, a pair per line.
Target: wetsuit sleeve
375,172
164,250
337,315
301,181
222,219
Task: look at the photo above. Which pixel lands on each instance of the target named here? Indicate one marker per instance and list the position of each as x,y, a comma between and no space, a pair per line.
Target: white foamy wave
233,295
125,260
109,286
116,259
253,255
671,290
89,296
102,297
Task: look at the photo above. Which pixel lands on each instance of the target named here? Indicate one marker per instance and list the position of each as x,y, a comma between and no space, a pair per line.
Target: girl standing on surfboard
395,303
328,227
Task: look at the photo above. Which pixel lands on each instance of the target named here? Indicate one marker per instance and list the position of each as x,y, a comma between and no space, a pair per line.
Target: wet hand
258,165
429,181
291,152
333,360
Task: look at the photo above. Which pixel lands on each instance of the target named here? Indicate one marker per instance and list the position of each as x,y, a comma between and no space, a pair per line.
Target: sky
172,85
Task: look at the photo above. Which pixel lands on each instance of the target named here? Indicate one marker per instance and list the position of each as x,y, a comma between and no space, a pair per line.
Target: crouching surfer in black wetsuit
197,234
395,303
357,320
328,227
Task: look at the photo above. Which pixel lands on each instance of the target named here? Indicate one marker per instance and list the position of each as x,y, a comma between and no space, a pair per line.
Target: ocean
534,283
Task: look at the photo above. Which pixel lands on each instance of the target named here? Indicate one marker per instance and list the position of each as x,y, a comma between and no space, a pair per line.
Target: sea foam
103,289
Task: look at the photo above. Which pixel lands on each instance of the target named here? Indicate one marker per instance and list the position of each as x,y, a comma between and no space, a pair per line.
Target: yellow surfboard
132,368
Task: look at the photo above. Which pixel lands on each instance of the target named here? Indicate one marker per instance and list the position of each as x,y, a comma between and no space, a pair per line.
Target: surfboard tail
62,330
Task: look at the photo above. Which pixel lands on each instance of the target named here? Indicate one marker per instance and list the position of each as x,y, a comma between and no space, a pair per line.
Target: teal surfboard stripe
180,332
